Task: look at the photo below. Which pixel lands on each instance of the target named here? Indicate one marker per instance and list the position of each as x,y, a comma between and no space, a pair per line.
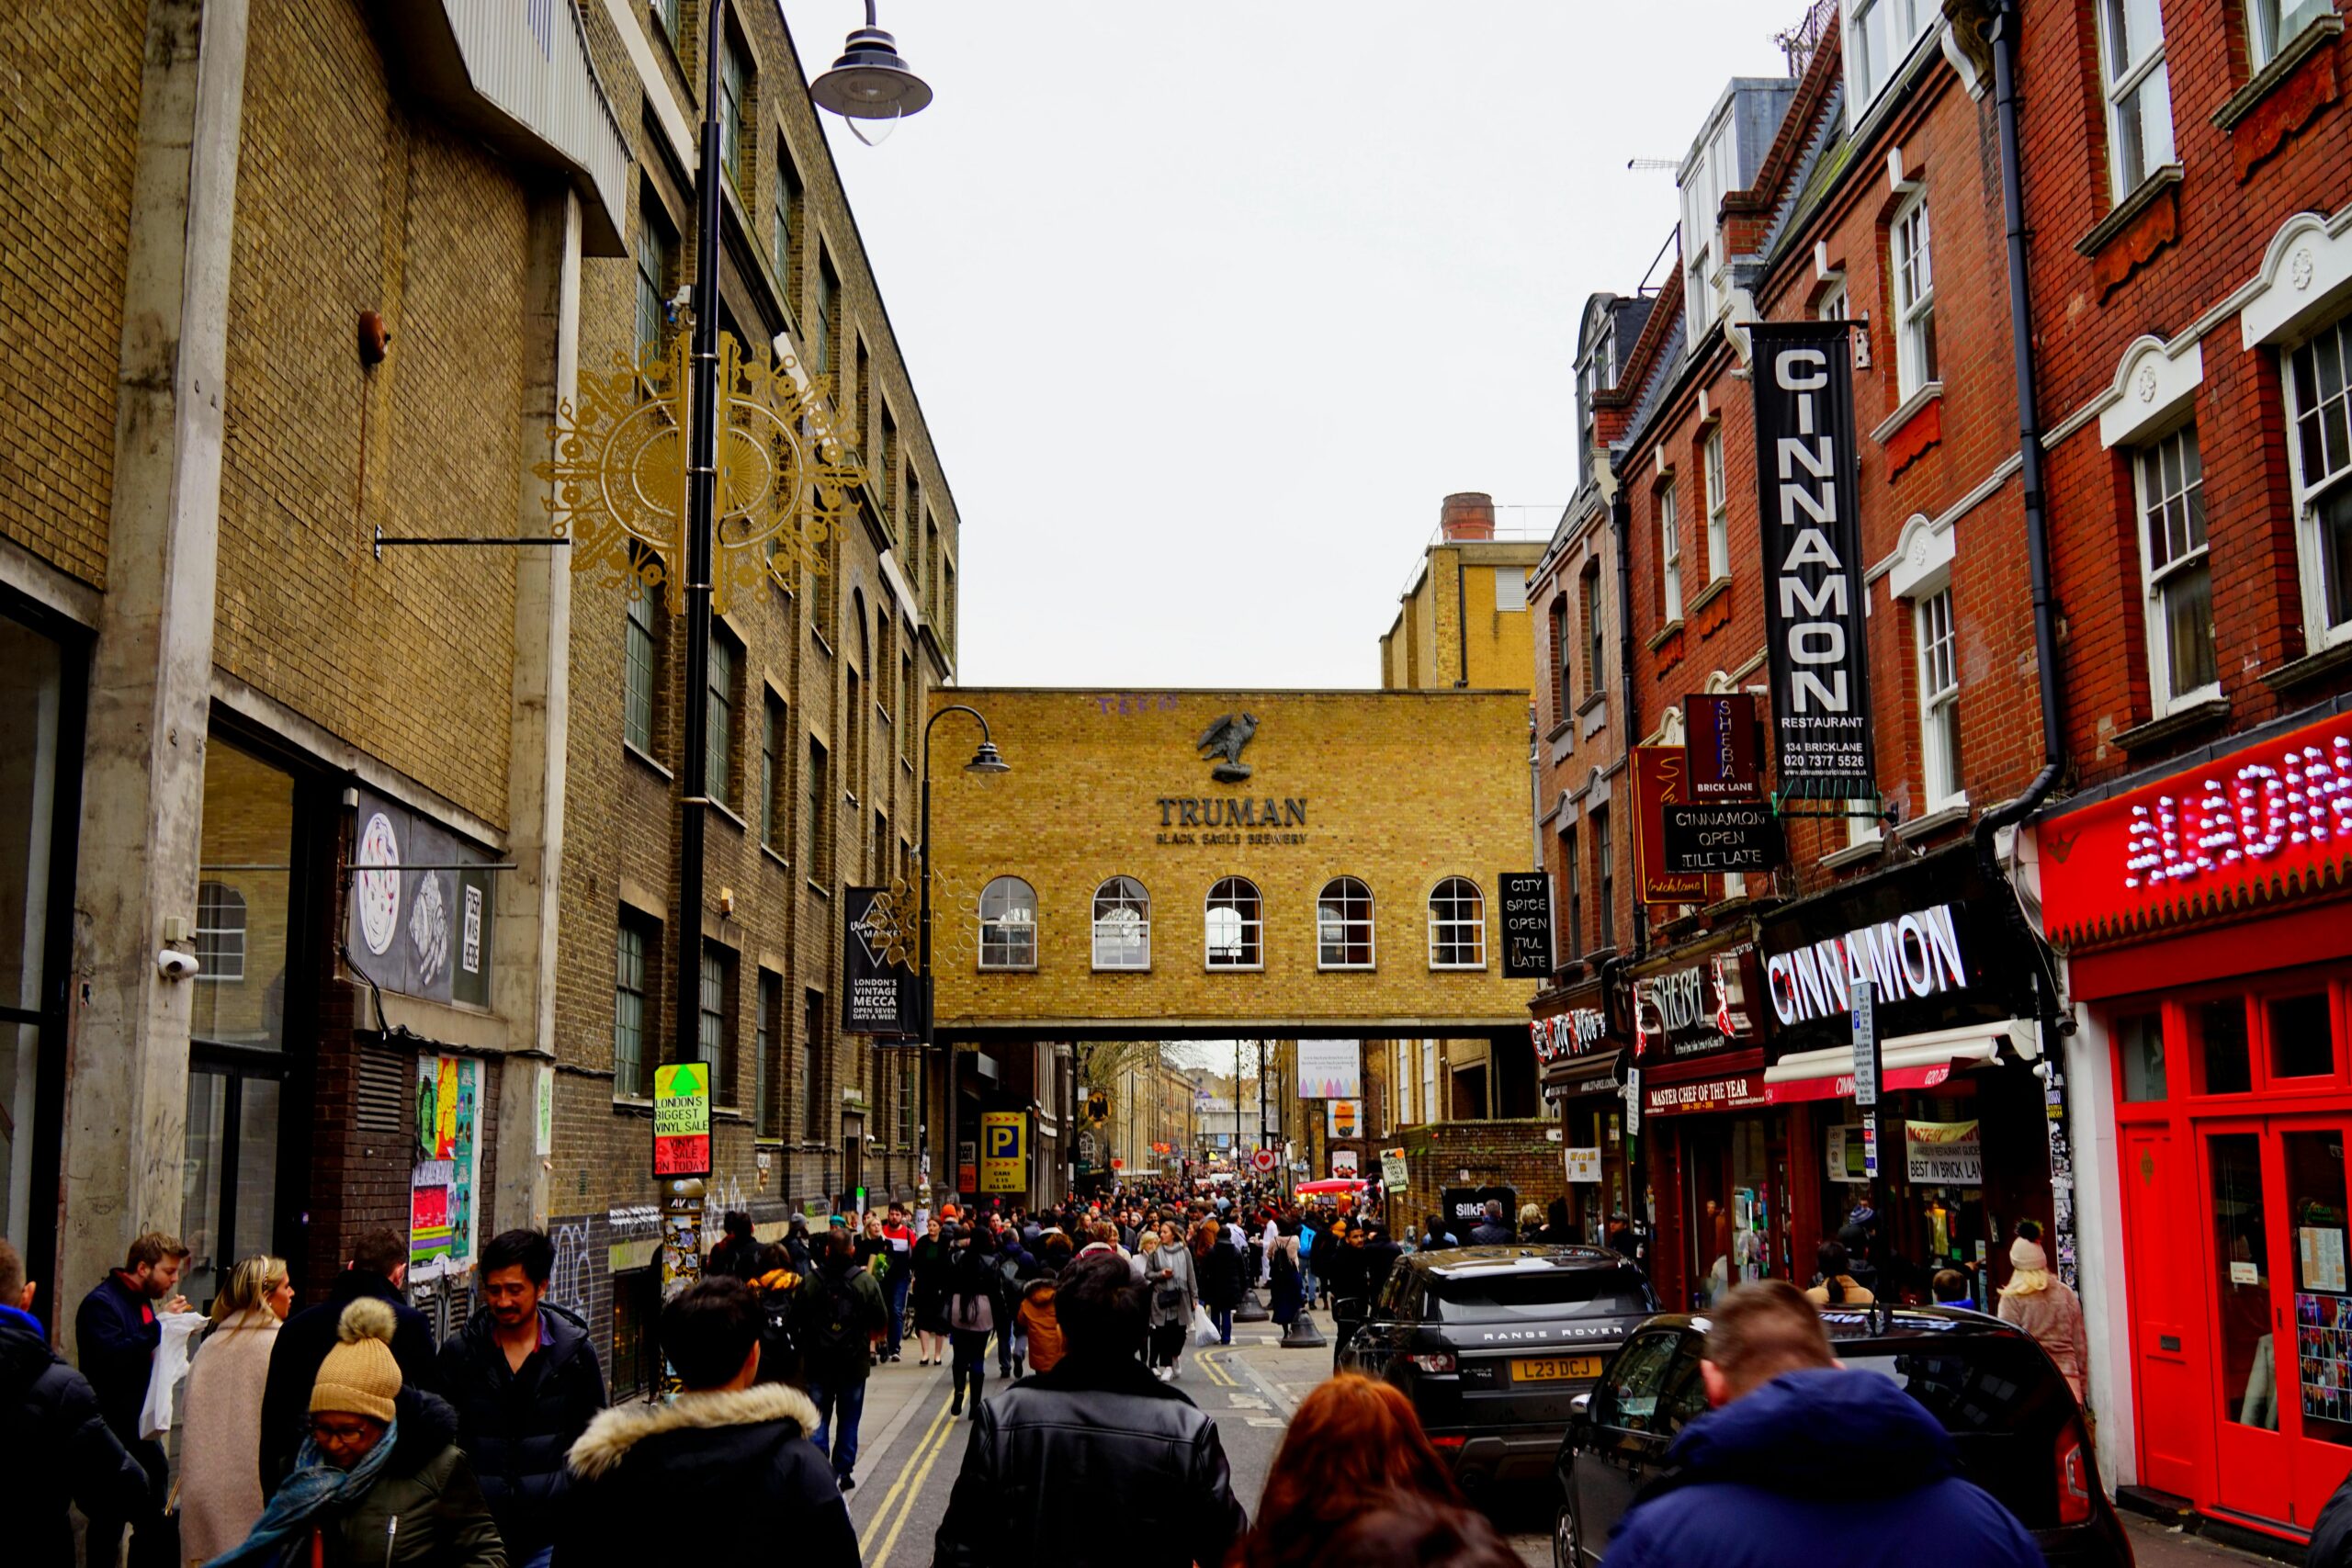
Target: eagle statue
1225,739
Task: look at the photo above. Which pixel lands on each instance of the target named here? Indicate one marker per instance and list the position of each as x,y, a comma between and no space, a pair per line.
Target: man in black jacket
837,1316
378,1267
118,1332
524,1379
1063,1467
1494,1229
727,1466
60,1449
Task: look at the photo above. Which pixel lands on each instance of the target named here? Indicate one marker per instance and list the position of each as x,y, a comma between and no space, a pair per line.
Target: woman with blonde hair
2044,1305
220,1424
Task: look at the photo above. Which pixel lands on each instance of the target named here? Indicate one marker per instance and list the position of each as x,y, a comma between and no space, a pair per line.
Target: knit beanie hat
2024,1253
359,1376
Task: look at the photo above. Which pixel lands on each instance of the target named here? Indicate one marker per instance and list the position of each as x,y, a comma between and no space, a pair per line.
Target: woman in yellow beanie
380,1479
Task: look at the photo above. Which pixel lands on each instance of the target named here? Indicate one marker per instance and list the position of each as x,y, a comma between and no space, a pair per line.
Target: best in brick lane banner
448,1168
1004,1151
1944,1154
1721,747
681,1119
1330,1069
1658,783
879,993
1527,924
1814,593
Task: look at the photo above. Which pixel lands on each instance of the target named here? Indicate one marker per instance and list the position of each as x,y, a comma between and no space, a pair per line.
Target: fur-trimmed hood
612,1435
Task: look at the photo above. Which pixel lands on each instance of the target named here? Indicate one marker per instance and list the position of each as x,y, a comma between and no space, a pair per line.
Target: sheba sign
1916,954
1813,582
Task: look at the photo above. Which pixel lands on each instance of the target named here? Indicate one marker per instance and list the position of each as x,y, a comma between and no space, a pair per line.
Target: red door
2166,1344
2280,1332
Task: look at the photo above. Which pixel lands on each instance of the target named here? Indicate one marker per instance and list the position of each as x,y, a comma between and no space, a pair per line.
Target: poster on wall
1846,1154
1659,781
1395,1174
442,1180
1330,1069
1343,1118
1814,599
1344,1162
419,917
1944,1154
1581,1165
2323,1353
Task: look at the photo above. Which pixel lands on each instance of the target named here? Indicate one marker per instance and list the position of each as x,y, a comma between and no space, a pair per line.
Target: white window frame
1123,902
1669,552
1453,925
1911,281
1936,637
2329,416
1873,51
1352,928
1718,508
2134,88
1706,180
1008,924
2270,28
2153,577
1247,940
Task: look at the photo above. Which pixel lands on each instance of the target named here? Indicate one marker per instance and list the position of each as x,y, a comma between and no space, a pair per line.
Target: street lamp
986,763
869,85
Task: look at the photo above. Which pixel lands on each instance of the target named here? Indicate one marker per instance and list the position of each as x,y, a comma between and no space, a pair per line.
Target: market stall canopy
1334,1184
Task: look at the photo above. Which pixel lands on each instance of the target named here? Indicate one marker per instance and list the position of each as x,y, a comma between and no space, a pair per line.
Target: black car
2013,1421
1493,1345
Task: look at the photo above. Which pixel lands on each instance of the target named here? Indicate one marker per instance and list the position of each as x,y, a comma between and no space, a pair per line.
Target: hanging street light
870,86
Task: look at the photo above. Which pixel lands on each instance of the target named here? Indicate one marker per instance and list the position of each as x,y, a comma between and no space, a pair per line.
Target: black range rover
1493,1345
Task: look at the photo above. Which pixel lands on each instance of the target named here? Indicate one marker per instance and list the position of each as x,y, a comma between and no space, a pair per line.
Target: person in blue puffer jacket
1801,1458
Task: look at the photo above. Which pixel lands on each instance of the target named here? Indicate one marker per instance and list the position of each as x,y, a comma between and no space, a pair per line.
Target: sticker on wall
377,892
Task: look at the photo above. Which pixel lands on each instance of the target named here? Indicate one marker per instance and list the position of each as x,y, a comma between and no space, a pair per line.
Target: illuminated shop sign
1917,954
1570,1034
1697,1008
2250,826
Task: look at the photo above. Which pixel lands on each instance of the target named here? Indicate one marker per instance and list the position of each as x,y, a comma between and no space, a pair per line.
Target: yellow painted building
1463,622
1124,878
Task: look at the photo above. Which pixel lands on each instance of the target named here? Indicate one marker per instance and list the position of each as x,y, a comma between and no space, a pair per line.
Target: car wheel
1568,1541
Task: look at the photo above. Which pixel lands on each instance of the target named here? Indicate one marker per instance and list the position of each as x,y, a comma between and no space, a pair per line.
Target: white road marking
1266,1421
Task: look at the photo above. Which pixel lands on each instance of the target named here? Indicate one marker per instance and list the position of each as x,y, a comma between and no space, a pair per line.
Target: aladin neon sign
2305,798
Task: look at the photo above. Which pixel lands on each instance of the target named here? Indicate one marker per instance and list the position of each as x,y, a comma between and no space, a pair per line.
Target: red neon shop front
2205,919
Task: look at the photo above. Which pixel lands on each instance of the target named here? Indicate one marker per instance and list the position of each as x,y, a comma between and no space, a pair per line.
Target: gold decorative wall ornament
616,484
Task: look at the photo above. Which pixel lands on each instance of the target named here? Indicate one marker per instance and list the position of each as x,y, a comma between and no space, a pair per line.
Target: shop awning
1910,1061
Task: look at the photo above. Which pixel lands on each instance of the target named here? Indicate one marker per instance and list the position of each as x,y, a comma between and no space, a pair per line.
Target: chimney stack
1468,516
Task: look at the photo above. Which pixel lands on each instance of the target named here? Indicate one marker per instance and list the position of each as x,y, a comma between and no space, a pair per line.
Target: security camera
175,964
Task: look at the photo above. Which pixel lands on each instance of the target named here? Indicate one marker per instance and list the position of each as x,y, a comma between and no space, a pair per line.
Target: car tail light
2074,1479
1443,1361
1448,1445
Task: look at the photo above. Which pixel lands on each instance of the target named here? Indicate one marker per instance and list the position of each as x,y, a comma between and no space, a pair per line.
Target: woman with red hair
1356,1470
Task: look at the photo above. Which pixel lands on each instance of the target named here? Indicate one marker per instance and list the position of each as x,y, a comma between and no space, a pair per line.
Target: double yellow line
906,1489
1217,1371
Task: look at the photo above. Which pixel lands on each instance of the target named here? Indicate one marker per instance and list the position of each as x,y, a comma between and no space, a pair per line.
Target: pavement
911,1448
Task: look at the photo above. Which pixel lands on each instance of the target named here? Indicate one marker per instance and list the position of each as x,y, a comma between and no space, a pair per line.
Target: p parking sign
1004,1151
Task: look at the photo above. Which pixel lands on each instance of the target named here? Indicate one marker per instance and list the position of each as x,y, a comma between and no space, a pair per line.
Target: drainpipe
2006,20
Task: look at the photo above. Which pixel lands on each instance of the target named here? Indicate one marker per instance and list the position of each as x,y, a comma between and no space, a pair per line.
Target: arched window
220,932
1235,917
1008,925
1343,925
1457,925
1122,925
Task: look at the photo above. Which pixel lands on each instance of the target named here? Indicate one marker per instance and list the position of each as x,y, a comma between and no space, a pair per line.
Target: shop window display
2302,1037
2224,1058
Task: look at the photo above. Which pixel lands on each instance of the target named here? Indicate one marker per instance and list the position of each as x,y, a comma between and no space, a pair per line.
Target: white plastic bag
1204,1332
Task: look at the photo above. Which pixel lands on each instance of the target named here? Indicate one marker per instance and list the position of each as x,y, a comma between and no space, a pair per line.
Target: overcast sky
1209,303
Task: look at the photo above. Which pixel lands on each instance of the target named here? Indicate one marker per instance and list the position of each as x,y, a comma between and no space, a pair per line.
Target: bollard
1302,1334
1251,1310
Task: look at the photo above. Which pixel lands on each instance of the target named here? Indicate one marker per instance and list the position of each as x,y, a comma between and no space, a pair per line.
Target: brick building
1860,187
307,275
2188,183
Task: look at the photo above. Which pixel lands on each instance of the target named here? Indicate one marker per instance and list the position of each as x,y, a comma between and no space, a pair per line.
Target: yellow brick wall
68,139
348,203
1401,789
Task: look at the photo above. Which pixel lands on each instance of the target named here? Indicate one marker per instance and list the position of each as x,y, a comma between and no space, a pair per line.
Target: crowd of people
343,1434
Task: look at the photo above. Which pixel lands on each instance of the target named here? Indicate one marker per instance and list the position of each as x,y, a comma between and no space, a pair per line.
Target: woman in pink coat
220,1422
2044,1305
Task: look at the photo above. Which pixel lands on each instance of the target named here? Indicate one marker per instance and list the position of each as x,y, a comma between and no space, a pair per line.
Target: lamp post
985,764
869,85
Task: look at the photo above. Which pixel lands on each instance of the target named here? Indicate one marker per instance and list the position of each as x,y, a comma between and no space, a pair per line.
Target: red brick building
2188,179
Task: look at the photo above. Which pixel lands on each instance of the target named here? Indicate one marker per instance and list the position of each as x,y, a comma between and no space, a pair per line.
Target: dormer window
1711,172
